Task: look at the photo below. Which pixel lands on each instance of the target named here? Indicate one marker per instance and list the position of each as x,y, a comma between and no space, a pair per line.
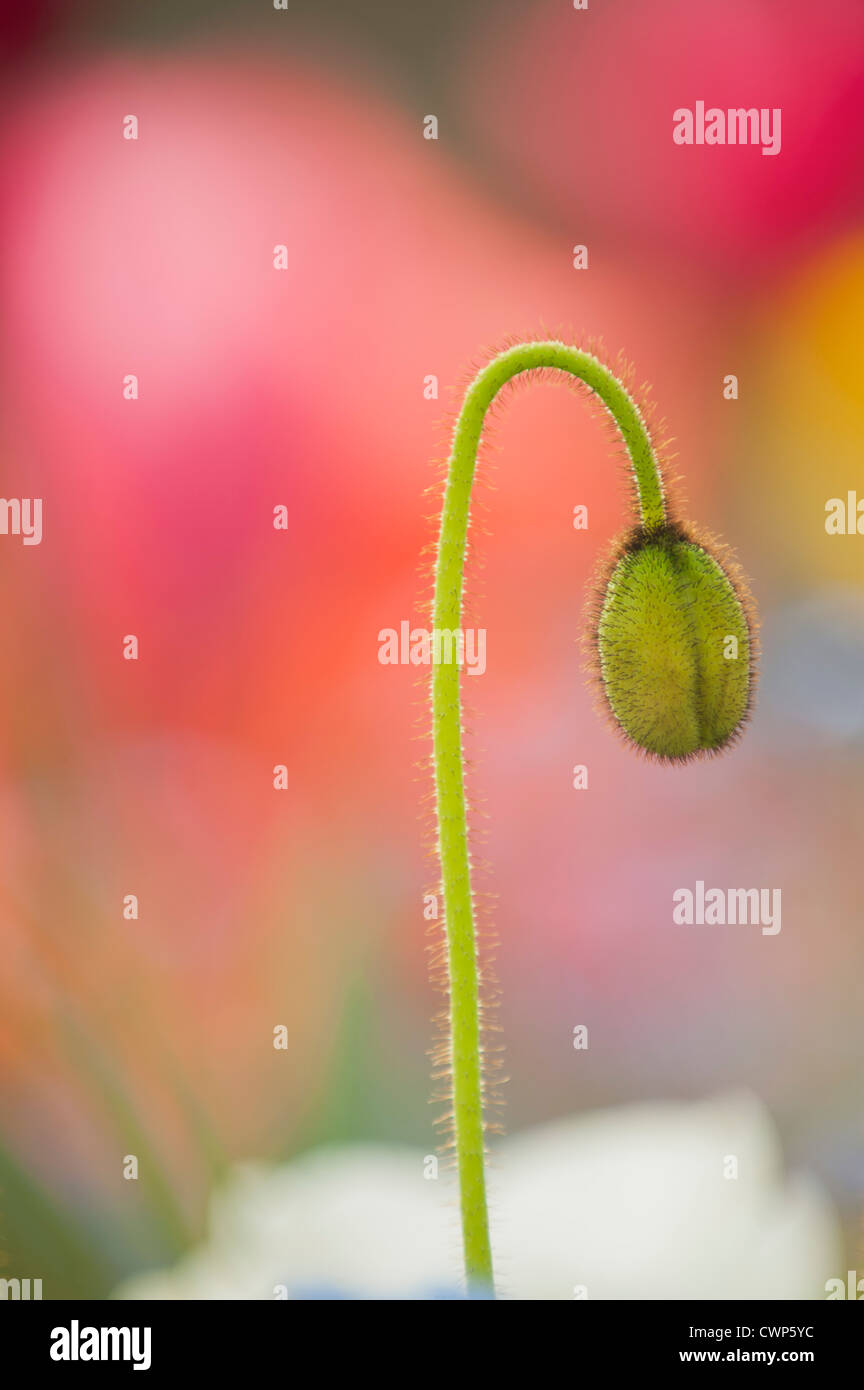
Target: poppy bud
674,643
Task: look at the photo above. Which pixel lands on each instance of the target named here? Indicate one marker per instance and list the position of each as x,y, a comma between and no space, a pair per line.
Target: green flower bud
674,643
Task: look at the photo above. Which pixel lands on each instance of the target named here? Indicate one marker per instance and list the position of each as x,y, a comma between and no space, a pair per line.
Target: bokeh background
304,387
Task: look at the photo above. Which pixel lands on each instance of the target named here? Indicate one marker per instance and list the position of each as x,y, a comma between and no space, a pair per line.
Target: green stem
465,1032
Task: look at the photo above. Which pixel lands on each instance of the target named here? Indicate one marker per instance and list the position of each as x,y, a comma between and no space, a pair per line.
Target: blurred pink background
304,387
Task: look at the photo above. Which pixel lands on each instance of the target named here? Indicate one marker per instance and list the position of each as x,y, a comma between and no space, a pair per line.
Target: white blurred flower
630,1203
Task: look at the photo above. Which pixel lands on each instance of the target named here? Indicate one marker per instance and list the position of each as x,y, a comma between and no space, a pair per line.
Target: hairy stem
464,1003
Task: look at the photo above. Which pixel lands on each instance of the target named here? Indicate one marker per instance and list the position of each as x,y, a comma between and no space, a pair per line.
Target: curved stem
465,1033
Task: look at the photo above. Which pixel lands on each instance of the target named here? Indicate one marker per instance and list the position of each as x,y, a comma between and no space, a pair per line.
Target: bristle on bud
674,644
